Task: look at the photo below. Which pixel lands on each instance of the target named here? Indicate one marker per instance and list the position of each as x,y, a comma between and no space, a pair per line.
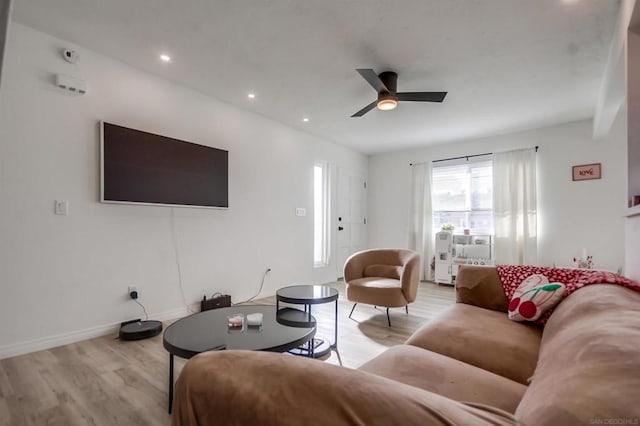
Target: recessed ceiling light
251,96
306,120
165,58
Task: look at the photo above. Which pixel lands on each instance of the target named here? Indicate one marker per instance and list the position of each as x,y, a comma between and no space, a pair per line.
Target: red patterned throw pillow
533,297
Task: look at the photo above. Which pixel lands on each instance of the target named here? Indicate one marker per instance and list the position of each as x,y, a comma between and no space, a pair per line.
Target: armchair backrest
380,270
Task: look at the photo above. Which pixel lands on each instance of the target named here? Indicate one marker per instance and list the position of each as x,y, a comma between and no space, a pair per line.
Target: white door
351,222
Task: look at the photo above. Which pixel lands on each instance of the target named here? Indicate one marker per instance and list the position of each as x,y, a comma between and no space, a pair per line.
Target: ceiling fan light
387,104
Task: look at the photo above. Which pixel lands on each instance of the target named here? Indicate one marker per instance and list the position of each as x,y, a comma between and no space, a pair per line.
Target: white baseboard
172,314
48,342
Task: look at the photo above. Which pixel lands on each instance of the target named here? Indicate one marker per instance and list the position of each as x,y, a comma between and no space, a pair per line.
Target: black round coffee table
208,331
308,295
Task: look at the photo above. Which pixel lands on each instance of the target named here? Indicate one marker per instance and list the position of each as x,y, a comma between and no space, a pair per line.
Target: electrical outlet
62,207
132,292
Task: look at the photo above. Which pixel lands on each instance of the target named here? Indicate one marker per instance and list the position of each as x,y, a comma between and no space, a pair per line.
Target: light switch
62,207
301,211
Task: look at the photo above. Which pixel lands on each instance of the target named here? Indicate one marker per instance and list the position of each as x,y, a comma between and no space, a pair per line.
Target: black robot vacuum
138,329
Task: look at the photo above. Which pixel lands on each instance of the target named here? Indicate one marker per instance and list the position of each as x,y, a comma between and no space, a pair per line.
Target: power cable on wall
174,240
146,316
177,258
259,290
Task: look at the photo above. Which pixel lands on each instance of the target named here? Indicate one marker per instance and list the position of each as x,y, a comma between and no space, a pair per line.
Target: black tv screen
140,167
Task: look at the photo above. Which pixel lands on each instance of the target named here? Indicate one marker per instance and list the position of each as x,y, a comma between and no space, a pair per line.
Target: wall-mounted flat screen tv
144,168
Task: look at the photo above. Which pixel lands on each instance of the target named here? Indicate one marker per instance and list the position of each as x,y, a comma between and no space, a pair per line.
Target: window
320,214
462,195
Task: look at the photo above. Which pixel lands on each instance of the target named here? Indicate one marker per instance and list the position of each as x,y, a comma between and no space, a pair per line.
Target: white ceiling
508,65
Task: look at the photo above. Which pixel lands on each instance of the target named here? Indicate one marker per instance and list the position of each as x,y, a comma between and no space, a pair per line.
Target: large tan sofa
470,366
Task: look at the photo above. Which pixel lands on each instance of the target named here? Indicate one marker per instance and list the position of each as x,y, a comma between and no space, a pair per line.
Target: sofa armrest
481,286
243,387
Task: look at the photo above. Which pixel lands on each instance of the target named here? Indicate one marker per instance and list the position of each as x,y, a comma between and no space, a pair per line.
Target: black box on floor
217,301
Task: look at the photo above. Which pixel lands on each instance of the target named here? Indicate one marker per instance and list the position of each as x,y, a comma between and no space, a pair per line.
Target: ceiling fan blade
422,96
373,79
365,110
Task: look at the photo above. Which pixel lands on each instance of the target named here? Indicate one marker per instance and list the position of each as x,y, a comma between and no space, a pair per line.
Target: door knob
340,228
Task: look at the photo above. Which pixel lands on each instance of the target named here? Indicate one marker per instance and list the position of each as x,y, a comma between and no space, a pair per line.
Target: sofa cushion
446,376
376,291
589,365
480,286
484,338
384,271
261,388
533,297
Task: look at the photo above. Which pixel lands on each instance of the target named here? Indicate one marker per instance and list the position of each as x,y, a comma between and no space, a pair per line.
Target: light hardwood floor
105,381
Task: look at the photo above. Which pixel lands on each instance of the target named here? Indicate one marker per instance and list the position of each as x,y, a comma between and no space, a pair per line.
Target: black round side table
309,295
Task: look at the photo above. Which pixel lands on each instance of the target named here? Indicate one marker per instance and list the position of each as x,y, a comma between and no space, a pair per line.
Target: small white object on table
254,319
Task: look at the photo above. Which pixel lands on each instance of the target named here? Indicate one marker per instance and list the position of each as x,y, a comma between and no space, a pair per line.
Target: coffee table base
308,295
322,348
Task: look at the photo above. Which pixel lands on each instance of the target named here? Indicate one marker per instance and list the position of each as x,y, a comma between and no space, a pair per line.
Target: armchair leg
406,308
354,306
388,319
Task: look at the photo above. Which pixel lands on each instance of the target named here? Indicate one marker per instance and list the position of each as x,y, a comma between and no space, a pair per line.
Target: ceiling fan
385,84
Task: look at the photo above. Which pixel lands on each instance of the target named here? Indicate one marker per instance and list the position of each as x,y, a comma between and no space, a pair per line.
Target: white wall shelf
633,211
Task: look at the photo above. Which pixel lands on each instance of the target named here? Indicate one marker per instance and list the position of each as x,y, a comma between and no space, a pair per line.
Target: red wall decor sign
587,171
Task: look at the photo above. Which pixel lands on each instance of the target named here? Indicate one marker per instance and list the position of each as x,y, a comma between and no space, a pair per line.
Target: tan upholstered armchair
382,277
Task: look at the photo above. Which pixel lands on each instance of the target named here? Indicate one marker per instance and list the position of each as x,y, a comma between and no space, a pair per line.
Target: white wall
633,101
572,215
632,253
632,263
5,12
66,277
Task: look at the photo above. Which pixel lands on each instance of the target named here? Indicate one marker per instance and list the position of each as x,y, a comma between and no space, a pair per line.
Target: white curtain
420,220
514,207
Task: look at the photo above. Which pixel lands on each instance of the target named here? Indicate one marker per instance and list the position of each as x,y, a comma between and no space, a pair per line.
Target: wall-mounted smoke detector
71,84
70,56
